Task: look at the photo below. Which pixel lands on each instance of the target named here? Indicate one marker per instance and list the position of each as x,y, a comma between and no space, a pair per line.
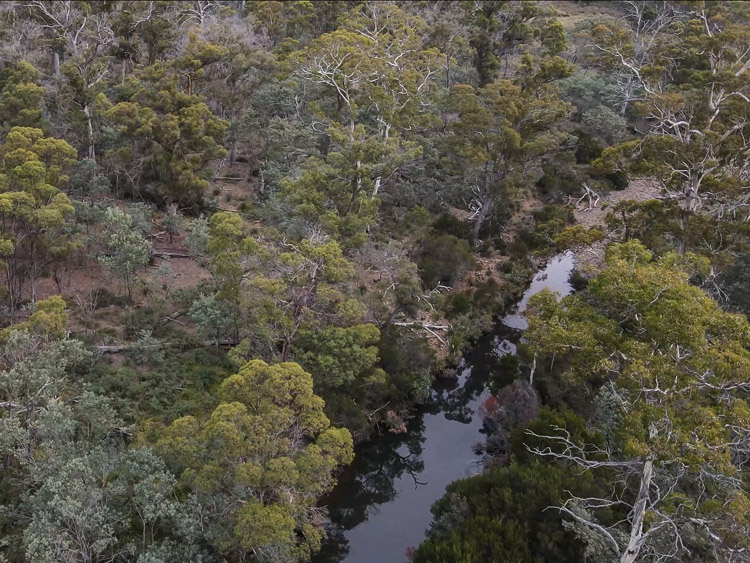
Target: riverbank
381,505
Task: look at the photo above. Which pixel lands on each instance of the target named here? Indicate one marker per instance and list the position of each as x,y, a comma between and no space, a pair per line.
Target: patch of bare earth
235,185
82,282
591,258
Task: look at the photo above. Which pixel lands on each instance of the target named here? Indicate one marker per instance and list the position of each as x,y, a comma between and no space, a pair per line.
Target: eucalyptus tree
671,416
82,30
166,135
381,73
497,30
501,133
34,210
631,47
276,286
71,489
127,250
692,93
259,462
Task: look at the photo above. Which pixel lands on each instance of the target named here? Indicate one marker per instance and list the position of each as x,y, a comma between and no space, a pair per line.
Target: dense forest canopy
238,238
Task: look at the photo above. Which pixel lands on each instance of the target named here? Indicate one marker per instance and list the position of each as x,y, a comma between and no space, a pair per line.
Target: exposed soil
640,189
235,185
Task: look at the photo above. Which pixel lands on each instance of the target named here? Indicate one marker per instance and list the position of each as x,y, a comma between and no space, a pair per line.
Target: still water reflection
381,505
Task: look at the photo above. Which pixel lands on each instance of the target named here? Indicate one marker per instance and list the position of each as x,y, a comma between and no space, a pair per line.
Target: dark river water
381,505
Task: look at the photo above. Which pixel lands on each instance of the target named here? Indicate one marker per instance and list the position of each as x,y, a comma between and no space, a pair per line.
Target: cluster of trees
241,480
624,436
335,117
639,450
339,192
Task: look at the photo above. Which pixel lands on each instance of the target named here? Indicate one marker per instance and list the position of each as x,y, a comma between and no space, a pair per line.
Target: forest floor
590,258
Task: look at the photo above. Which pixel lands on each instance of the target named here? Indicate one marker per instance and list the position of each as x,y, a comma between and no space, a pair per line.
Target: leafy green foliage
504,510
638,312
91,497
341,356
443,260
264,455
21,97
33,208
495,138
166,134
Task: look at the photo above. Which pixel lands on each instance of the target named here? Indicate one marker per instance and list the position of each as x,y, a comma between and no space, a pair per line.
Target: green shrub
578,280
447,224
619,179
588,148
444,259
458,304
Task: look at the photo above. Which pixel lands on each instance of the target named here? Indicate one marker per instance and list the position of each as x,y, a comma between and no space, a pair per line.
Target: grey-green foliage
197,237
288,145
173,221
141,214
105,501
34,375
164,278
211,316
126,249
604,123
89,181
596,548
147,349
587,91
73,488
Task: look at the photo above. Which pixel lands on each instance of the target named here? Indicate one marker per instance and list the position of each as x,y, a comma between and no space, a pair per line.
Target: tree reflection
372,478
370,481
457,399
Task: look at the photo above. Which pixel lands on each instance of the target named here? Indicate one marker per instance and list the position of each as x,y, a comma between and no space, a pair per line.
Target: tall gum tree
671,371
693,93
500,133
260,461
33,209
381,73
84,31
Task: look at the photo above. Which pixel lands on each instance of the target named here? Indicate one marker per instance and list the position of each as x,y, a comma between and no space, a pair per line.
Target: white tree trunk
639,510
89,123
56,63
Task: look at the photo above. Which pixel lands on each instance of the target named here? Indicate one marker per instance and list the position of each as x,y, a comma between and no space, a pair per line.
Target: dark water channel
381,505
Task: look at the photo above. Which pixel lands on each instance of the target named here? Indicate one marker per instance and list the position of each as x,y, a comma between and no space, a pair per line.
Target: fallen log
112,349
162,254
119,348
173,318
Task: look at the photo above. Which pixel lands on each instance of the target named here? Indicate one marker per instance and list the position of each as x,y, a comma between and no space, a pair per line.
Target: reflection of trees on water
456,401
378,466
371,481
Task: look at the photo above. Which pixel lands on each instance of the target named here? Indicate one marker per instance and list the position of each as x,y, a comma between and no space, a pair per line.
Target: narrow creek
381,505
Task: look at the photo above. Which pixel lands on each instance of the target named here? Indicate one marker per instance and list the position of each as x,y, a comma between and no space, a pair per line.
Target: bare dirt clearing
640,189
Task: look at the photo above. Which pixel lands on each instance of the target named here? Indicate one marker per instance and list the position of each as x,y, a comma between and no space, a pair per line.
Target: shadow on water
381,505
